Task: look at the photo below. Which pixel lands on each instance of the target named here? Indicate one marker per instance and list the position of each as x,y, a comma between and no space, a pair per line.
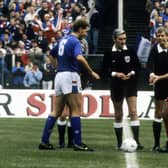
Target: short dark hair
80,23
34,41
35,63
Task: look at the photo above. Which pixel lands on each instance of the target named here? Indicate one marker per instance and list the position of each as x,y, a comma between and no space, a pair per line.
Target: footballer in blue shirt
68,54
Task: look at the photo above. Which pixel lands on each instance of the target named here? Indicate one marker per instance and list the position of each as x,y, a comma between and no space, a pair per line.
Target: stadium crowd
158,10
29,29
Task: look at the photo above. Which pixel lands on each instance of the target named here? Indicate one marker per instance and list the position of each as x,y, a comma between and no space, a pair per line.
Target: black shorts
123,89
161,90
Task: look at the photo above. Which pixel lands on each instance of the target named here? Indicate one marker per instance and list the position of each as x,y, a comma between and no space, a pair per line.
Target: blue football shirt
68,48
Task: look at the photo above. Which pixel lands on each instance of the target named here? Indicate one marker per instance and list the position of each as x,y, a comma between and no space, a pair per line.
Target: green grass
19,139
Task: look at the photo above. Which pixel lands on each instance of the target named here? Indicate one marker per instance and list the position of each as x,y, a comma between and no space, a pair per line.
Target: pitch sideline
130,158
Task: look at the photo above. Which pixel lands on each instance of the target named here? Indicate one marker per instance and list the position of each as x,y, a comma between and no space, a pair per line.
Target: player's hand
153,79
156,79
95,75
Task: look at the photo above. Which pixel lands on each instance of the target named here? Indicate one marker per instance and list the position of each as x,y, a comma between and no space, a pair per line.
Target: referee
158,77
122,64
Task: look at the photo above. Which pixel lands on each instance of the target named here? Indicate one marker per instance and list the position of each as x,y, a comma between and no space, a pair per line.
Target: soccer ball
129,145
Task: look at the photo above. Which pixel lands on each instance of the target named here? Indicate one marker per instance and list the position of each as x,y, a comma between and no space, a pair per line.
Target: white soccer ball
129,145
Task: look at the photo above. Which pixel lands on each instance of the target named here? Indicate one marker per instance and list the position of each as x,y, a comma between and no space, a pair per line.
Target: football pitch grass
19,139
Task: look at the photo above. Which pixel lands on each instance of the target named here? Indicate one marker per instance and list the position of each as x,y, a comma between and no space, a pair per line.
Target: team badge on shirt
127,59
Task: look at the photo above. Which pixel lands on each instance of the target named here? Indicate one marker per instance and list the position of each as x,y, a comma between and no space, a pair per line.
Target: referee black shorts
122,89
161,90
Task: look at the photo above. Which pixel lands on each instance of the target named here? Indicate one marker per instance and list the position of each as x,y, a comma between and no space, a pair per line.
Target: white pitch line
131,158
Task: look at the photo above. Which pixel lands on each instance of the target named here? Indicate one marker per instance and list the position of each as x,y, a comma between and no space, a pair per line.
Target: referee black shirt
123,61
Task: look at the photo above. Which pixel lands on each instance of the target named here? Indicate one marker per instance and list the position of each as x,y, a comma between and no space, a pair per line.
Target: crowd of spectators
158,10
29,29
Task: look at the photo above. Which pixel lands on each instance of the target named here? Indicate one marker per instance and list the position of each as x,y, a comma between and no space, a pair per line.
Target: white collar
116,49
160,49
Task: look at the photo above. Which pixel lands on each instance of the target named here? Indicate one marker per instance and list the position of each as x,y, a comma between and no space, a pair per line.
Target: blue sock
50,122
76,128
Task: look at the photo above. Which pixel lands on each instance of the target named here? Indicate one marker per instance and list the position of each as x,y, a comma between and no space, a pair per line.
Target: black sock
70,137
135,132
61,132
156,132
118,132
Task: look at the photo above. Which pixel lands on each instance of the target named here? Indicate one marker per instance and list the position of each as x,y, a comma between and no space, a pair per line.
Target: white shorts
67,82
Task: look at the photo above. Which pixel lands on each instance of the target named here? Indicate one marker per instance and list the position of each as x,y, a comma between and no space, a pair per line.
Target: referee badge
127,59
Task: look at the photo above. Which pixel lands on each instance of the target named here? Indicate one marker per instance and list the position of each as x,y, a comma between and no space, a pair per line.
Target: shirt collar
160,49
116,49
